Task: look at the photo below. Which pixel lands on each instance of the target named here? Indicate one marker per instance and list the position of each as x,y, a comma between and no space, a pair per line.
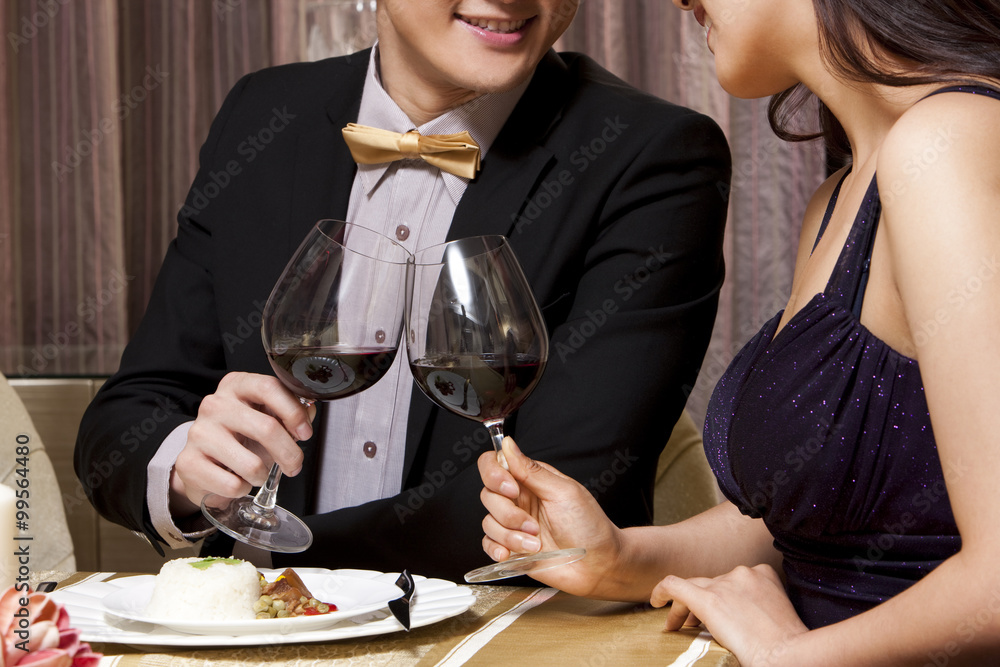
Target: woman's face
760,46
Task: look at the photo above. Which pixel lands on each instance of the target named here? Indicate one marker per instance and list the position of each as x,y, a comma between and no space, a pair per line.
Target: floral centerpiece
35,631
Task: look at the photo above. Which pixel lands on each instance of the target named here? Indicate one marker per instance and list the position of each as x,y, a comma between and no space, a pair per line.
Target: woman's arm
553,511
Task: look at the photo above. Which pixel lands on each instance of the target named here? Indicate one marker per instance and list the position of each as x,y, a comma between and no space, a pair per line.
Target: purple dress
823,432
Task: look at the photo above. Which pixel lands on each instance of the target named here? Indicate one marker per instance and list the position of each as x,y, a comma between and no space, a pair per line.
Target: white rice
219,592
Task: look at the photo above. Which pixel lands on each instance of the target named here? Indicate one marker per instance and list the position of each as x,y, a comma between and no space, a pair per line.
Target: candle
8,562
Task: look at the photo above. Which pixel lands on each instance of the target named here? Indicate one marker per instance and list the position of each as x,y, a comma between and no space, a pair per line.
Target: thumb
534,475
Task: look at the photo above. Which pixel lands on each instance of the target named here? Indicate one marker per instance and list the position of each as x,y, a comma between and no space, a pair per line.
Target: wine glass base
518,565
274,530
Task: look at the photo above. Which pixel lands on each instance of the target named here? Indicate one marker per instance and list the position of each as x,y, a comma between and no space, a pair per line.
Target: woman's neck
868,111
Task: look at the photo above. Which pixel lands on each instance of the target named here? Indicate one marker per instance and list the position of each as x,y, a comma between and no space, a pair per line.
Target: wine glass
477,346
331,329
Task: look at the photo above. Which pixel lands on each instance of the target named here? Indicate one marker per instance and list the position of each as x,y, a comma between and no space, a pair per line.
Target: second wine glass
331,329
477,346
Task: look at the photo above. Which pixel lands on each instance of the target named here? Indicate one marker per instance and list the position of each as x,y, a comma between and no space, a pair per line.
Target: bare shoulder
939,182
948,142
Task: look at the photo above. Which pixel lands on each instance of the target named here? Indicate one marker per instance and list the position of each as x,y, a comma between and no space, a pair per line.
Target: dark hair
894,43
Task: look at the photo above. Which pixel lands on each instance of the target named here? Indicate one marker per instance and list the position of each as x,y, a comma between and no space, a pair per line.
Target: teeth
495,26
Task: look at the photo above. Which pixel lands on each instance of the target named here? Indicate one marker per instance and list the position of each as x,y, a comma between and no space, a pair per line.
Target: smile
492,25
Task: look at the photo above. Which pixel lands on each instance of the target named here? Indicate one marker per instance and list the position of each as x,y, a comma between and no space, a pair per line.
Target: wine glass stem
495,427
267,494
266,497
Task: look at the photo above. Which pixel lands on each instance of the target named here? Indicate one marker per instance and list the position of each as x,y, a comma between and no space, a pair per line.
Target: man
610,198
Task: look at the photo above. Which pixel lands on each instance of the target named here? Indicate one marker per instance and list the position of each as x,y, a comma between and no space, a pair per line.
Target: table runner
506,625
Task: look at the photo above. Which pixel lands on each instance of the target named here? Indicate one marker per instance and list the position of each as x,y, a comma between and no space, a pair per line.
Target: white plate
353,596
433,601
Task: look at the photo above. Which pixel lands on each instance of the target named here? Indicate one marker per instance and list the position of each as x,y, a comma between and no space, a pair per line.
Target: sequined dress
823,431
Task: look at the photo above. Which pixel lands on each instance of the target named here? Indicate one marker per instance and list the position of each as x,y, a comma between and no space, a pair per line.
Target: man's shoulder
593,87
591,78
303,81
591,95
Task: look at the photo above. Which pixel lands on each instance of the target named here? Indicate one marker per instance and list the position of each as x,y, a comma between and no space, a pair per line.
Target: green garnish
209,562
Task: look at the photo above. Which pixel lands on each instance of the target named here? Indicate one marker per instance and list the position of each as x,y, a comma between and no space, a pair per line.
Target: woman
855,436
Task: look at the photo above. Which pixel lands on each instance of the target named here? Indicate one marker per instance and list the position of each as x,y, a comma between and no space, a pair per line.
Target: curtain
62,256
106,103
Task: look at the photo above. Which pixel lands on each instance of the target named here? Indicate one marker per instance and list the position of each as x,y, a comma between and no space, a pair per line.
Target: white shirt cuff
158,494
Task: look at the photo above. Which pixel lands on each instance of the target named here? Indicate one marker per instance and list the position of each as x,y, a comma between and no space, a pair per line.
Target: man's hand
250,422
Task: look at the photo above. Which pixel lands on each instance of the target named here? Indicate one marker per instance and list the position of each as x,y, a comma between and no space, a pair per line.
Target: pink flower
49,640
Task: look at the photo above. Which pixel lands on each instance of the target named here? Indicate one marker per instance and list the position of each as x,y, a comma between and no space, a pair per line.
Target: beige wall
56,407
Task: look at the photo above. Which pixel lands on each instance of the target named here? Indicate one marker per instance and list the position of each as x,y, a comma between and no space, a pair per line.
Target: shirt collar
482,117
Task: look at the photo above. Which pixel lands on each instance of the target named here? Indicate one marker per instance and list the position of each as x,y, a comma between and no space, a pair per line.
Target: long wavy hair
894,43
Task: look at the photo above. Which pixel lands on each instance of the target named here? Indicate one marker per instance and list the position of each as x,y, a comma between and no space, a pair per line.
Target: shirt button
370,449
379,336
402,232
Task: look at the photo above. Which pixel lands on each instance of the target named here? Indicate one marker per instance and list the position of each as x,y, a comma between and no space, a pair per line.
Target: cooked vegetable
288,597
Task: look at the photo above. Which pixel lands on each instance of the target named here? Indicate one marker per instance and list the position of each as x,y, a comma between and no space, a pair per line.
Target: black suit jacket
614,203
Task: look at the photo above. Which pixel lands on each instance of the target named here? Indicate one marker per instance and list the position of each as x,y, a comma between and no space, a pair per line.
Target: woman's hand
746,610
534,507
250,422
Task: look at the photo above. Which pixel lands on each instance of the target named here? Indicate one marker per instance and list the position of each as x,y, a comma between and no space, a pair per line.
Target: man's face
457,47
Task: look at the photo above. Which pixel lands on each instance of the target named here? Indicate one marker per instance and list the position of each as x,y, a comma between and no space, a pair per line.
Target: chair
685,485
51,545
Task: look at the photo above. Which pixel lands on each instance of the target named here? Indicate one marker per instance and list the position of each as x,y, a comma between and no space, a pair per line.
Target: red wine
481,387
325,373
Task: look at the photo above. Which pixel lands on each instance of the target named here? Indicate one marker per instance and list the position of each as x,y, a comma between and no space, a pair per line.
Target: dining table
461,625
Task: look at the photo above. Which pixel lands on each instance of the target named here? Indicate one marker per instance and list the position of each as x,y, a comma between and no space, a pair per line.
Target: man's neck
420,99
422,102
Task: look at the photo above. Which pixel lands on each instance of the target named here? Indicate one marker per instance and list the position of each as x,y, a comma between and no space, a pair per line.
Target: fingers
681,593
274,398
250,422
519,465
512,540
534,475
200,475
495,477
497,552
259,408
506,479
508,513
680,616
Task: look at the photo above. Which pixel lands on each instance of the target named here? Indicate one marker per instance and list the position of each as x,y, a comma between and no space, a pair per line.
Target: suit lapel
324,169
517,160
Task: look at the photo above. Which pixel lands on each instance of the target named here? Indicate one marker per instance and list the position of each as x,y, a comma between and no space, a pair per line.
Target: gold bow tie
455,153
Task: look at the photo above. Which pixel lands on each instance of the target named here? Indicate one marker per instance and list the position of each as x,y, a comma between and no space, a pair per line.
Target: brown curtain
106,103
62,258
187,54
